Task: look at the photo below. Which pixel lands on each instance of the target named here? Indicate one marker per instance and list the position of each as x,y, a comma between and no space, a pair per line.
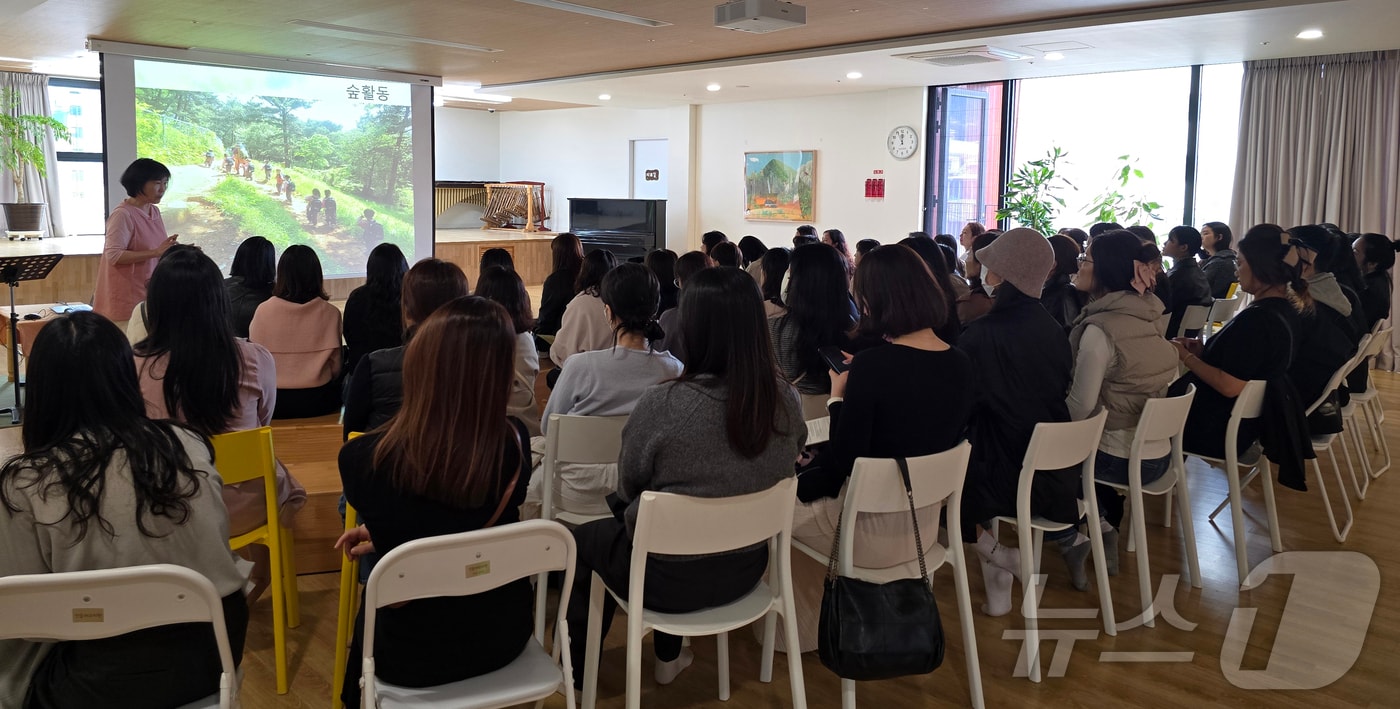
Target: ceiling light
345,29
1054,56
604,97
853,75
595,12
712,87
1310,34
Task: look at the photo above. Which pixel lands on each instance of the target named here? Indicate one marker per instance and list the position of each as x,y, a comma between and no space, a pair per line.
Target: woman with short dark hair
727,426
99,485
752,249
372,310
493,258
558,288
451,461
302,330
503,286
1221,264
135,239
727,255
250,280
689,264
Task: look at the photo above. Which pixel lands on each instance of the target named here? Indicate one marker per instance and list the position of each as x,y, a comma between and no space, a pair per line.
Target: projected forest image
297,169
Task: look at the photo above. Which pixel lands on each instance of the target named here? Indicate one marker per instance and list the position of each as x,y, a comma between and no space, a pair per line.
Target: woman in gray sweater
727,426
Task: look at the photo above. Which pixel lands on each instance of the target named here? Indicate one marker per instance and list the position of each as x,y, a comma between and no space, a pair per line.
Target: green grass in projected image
230,157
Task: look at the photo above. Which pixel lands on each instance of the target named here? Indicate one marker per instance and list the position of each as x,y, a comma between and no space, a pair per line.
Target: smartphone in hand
834,358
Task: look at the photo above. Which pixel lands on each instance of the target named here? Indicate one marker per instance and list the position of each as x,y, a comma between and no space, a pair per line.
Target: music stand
14,269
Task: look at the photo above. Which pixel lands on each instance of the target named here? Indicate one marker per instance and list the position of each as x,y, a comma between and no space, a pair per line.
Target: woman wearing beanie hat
1022,365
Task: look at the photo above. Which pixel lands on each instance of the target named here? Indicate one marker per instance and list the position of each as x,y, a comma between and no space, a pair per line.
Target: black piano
627,227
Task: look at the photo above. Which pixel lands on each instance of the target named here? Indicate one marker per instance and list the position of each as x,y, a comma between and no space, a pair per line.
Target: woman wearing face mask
978,301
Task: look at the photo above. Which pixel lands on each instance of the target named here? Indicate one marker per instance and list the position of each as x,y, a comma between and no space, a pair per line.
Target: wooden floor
1198,678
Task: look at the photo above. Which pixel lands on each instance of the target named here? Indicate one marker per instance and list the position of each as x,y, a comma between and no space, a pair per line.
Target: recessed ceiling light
712,87
1310,34
1054,56
853,75
604,97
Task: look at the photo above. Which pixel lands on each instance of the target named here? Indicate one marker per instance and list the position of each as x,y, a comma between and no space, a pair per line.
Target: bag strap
918,540
510,489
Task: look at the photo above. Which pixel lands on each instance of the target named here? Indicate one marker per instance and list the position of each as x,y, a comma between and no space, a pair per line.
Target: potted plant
21,145
1030,197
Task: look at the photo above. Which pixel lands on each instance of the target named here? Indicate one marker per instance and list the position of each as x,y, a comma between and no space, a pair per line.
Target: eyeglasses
1083,259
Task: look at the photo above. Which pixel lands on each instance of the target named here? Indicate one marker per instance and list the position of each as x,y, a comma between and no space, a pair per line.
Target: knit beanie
1022,257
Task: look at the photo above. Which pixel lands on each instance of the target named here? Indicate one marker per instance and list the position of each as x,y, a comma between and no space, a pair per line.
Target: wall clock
903,142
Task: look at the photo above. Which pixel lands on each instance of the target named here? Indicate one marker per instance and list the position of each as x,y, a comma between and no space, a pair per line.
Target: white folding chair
1194,319
1220,312
467,564
88,605
876,487
1161,420
1350,424
1247,406
1368,403
572,439
681,525
1055,446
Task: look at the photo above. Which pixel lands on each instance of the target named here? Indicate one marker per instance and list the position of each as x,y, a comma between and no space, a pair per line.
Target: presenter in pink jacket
136,239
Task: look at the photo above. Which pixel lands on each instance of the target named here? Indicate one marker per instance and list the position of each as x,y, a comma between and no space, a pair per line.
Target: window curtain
1320,142
33,90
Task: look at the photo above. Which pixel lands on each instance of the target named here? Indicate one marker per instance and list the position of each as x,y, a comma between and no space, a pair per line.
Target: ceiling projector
759,16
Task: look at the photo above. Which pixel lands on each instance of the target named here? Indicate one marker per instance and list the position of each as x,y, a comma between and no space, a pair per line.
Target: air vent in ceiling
964,56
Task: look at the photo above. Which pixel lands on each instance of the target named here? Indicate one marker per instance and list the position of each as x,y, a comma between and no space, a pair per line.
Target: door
962,169
650,160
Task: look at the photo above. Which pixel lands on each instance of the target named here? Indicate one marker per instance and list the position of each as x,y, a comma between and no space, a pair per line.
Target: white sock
997,582
666,672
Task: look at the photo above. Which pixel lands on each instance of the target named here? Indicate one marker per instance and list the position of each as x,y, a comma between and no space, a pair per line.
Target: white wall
586,152
848,133
466,144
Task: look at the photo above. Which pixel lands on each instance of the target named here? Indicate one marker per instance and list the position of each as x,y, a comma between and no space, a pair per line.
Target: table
27,329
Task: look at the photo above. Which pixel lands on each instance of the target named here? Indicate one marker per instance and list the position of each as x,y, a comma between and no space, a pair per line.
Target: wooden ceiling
535,42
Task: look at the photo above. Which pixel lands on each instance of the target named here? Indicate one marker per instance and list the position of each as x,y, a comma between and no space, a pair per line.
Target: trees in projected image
245,165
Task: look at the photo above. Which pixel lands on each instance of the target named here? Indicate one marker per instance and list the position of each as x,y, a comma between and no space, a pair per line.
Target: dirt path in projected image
186,213
342,250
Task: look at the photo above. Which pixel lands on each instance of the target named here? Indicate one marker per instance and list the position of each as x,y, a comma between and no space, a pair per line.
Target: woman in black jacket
1059,296
372,310
249,281
558,286
1188,282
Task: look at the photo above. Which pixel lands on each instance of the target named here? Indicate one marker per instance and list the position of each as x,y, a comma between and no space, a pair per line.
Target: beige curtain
33,92
1320,142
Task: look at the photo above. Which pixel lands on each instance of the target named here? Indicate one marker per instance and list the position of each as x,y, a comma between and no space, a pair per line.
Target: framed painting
780,186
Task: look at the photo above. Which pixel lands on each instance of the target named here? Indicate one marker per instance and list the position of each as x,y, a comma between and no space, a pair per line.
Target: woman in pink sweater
135,239
301,329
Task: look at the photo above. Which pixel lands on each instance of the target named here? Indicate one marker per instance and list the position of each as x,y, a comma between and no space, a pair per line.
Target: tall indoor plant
21,145
1030,197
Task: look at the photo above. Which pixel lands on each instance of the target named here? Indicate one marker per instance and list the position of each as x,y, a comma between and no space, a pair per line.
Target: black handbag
871,631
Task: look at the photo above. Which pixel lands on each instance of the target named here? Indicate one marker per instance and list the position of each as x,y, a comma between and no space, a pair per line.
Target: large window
82,192
965,156
1096,119
1217,142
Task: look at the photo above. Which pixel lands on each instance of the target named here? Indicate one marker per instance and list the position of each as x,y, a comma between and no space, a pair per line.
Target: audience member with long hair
1120,361
451,461
775,268
1221,264
1375,255
1058,295
727,426
193,370
1259,343
376,386
662,263
1329,336
1022,365
558,289
250,280
753,250
372,310
818,315
585,327
1189,284
495,258
504,286
301,329
837,240
609,382
99,485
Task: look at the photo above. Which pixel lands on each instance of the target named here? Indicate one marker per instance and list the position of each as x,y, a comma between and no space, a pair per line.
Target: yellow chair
345,616
242,456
